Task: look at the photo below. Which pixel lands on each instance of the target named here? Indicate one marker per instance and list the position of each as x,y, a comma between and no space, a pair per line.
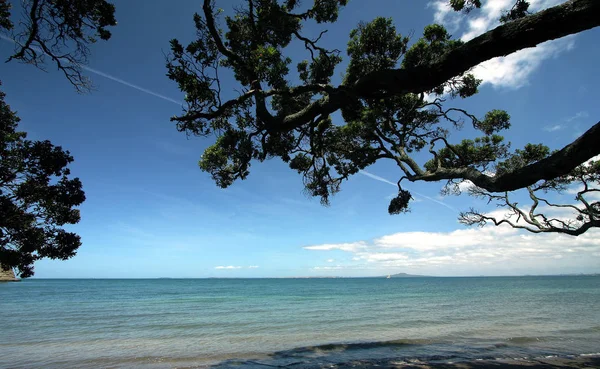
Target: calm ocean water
191,323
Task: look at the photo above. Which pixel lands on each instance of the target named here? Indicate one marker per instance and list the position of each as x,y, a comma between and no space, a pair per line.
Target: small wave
525,339
330,347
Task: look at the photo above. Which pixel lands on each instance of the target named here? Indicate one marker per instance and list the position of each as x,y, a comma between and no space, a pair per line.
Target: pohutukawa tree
394,101
37,198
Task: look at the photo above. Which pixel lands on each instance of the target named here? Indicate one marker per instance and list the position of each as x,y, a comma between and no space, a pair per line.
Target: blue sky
151,212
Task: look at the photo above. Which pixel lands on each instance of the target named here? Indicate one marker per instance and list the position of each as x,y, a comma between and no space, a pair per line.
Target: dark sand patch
588,362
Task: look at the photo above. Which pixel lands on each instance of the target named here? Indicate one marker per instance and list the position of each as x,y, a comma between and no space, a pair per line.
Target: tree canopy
37,198
394,100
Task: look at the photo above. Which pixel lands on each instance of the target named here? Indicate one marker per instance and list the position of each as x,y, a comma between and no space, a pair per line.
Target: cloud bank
469,251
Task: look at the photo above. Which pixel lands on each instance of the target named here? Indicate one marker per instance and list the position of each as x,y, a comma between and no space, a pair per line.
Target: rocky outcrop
7,275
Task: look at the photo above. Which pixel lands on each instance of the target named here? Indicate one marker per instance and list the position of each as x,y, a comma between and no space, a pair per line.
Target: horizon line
413,276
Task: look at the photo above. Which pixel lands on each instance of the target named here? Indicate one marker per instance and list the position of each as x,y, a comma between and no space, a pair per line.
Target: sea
304,323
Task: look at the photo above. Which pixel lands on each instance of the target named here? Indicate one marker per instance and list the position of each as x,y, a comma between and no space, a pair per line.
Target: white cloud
491,11
253,267
336,267
511,71
348,247
595,158
465,185
444,14
229,267
382,256
487,18
432,241
330,260
554,128
489,250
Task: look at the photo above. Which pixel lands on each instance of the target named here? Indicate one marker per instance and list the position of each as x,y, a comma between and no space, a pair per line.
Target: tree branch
571,17
556,165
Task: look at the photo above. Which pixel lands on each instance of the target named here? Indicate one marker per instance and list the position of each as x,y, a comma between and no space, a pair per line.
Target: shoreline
590,362
586,361
581,362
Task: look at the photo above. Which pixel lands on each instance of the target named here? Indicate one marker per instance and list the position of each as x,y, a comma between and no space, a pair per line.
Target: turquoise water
191,323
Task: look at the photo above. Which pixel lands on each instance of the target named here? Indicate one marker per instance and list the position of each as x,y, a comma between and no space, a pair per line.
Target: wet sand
587,362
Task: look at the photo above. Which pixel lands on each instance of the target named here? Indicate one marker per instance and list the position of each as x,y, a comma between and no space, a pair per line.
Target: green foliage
519,10
326,11
465,5
37,198
229,158
399,204
5,21
494,121
373,46
531,153
77,18
436,41
320,69
288,113
468,86
479,152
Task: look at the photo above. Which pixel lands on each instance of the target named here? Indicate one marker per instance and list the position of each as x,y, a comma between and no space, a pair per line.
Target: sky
151,212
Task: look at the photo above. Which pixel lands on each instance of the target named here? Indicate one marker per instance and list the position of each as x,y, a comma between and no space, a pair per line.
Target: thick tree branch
212,28
569,18
33,33
556,165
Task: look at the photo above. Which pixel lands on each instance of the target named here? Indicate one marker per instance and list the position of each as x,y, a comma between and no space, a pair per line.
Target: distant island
397,275
405,275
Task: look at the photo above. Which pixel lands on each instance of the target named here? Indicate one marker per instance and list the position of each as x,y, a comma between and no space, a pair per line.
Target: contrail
377,178
118,80
108,76
381,179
